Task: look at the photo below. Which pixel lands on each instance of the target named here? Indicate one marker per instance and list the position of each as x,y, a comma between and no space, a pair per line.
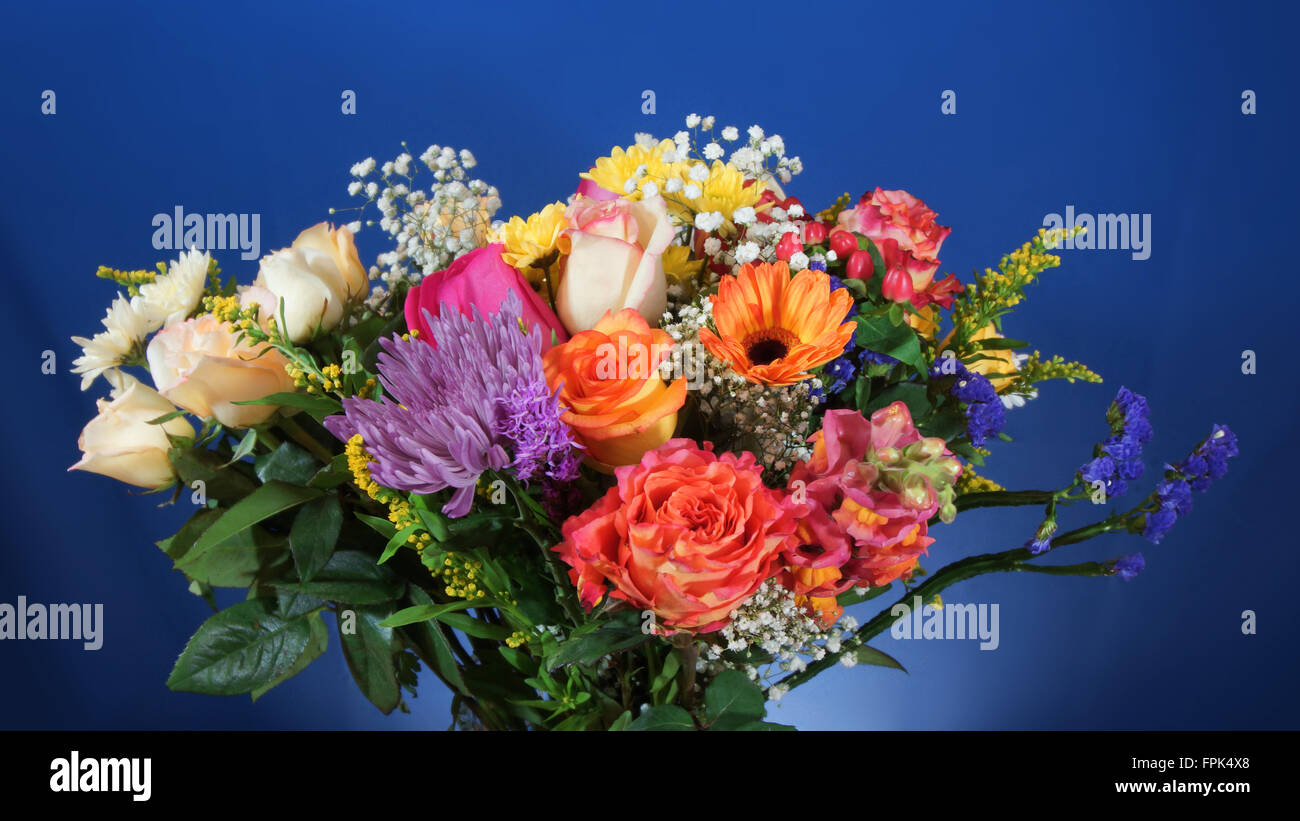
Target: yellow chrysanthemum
613,172
679,266
723,191
532,240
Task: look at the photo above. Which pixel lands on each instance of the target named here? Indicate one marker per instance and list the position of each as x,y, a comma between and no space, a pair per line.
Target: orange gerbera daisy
773,328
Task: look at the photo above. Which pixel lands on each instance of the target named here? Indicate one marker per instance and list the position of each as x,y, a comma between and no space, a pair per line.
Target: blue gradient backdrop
1109,107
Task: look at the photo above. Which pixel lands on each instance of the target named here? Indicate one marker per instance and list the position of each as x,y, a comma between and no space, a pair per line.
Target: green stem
1003,498
1006,561
305,439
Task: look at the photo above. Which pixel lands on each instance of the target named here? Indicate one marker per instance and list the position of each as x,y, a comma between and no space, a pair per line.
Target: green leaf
765,726
332,475
856,287
222,482
912,394
314,534
423,612
383,527
616,635
239,561
877,261
263,503
287,463
879,334
434,644
870,655
245,447
317,641
349,576
318,406
396,541
732,700
471,626
622,722
665,717
999,344
671,665
166,417
241,649
435,523
369,653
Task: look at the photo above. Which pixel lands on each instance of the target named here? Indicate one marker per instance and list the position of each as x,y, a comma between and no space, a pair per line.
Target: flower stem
1003,498
305,439
1006,561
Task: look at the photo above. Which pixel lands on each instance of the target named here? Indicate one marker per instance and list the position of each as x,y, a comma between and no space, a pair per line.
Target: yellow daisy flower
724,191
679,266
613,172
532,240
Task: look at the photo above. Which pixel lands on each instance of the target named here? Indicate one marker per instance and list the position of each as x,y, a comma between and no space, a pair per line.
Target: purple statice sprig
1172,497
1118,460
1127,567
985,414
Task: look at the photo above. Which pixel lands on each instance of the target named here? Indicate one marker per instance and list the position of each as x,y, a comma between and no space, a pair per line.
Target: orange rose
686,534
615,401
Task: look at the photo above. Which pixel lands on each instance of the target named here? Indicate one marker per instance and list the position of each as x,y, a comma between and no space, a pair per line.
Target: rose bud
860,266
843,243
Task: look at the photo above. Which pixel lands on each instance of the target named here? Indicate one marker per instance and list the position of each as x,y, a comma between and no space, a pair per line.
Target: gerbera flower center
766,346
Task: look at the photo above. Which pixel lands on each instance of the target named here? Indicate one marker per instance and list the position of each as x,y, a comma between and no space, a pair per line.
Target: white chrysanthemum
125,330
171,298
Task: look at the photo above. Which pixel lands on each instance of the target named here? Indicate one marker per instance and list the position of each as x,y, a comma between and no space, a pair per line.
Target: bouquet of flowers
619,464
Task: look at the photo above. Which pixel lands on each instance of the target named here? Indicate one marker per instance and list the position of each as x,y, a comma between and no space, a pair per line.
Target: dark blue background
1110,107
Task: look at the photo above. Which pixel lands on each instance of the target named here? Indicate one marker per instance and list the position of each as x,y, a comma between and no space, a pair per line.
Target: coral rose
686,534
615,400
901,226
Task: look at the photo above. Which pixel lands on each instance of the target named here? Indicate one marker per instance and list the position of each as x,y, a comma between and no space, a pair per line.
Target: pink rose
903,228
614,260
480,278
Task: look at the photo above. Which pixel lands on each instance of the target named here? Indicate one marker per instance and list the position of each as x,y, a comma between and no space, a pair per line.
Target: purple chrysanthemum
449,410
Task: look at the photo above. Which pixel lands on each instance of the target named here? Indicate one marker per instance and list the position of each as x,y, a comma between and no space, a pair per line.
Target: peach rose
686,534
613,261
121,443
314,280
615,400
201,366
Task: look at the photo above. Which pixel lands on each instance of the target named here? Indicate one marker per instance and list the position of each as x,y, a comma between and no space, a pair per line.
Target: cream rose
614,260
313,280
120,442
201,366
